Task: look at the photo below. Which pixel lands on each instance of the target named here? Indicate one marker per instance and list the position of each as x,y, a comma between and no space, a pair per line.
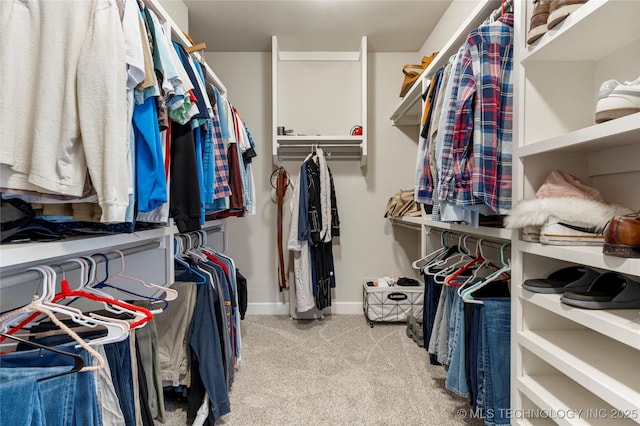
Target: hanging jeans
496,327
457,374
432,295
69,399
21,402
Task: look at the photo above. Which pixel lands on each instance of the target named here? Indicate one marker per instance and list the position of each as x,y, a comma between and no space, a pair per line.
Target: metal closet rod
26,276
486,241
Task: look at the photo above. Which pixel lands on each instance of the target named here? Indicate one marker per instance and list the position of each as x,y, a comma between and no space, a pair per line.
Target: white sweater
64,106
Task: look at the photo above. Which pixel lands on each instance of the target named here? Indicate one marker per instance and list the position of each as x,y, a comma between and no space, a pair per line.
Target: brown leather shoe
560,9
538,24
622,236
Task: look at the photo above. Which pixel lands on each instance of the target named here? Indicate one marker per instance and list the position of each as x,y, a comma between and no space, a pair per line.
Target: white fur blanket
575,211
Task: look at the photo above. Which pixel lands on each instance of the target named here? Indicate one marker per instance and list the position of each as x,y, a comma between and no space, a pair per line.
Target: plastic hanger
78,361
169,293
433,255
178,245
466,294
454,262
476,260
116,330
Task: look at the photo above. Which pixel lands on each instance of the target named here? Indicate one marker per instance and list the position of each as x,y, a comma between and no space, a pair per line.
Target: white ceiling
247,26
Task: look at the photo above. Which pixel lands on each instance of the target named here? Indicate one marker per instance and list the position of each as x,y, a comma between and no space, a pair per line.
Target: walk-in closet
319,212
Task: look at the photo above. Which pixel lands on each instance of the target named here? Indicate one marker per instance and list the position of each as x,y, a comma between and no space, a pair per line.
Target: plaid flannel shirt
221,186
482,135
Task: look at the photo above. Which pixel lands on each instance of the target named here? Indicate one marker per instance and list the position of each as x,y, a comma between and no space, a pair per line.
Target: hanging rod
486,241
320,144
27,276
507,6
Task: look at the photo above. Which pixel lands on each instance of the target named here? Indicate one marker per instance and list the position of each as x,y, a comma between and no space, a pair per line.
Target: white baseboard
337,308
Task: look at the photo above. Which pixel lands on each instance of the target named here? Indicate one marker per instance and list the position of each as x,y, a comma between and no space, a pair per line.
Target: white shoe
564,234
531,234
617,100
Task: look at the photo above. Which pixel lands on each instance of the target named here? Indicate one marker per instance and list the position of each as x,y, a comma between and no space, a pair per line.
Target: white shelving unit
294,102
564,358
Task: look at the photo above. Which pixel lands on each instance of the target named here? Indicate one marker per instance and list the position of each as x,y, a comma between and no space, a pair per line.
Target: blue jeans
457,374
431,298
119,359
70,399
496,326
475,359
21,400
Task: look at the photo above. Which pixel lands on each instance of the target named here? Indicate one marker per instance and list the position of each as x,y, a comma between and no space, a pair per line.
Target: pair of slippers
584,287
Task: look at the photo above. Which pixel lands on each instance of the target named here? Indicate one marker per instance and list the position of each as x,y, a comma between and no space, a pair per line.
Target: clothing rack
27,276
485,241
506,6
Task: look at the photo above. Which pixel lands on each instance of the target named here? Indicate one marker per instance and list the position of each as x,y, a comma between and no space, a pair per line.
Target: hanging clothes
464,163
315,221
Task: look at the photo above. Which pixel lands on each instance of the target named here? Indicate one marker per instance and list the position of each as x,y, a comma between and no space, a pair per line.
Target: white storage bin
391,304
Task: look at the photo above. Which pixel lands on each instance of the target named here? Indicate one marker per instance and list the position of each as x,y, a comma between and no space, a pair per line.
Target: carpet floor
334,371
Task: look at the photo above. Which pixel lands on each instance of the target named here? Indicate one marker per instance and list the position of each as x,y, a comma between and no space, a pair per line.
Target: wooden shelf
408,110
311,139
622,325
591,32
615,133
568,403
608,369
21,254
584,255
288,92
482,231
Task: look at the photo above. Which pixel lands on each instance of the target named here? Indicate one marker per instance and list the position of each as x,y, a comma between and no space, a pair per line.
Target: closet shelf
606,368
583,255
20,254
571,404
293,75
580,37
408,111
409,108
319,138
622,325
414,223
611,134
482,231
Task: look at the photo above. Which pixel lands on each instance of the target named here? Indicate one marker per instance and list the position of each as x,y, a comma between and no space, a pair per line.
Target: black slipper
572,278
610,290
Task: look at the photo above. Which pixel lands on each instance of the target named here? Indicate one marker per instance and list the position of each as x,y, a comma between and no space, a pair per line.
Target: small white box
391,304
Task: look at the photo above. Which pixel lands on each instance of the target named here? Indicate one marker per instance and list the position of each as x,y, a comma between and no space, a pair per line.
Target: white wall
178,12
450,21
369,245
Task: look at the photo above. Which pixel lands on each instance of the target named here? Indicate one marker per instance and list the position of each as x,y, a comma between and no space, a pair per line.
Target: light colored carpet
335,371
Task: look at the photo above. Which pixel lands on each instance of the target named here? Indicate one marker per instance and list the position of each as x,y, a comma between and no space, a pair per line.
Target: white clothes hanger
169,293
467,294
